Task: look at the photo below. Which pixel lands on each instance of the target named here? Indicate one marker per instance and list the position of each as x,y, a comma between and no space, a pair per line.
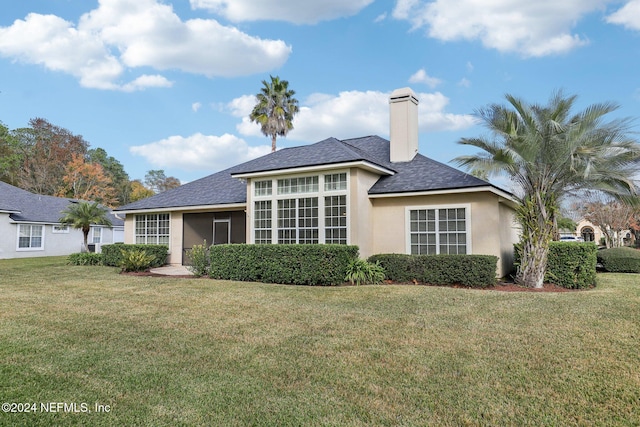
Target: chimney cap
402,94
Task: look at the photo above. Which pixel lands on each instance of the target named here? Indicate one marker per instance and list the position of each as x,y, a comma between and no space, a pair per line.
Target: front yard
171,351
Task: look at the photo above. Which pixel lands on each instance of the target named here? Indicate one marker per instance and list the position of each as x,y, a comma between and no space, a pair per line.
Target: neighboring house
380,195
30,227
592,233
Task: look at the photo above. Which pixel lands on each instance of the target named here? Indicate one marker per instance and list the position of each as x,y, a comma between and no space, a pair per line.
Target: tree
45,150
275,109
548,152
10,158
114,170
158,182
87,181
82,215
139,191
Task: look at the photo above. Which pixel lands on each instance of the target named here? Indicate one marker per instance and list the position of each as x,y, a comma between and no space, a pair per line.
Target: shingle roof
420,174
28,207
217,189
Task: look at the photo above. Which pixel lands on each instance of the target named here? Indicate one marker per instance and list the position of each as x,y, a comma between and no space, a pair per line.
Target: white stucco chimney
403,111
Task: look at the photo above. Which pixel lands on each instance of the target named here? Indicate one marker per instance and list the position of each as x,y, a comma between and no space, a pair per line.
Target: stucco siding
490,235
361,210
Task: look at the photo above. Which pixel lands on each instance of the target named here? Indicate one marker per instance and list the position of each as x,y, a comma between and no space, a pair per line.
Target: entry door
221,231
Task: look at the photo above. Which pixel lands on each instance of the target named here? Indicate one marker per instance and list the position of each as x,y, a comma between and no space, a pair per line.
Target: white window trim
407,223
41,248
62,229
320,194
93,234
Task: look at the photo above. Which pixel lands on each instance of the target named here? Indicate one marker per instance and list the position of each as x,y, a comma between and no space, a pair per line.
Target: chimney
403,110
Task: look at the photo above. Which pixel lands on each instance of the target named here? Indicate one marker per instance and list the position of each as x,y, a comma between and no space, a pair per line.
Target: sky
169,84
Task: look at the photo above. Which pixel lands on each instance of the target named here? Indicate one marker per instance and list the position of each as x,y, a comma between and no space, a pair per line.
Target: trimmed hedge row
571,265
477,271
84,258
287,264
620,260
112,254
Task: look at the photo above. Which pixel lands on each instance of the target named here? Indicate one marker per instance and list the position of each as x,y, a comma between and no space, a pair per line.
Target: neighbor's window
152,229
30,236
97,235
60,229
439,231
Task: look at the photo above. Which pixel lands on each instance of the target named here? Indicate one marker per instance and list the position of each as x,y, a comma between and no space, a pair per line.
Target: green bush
477,271
136,260
112,254
620,260
360,272
571,265
287,264
199,259
84,258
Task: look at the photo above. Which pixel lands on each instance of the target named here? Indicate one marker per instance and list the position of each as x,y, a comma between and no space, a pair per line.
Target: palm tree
82,215
275,109
548,152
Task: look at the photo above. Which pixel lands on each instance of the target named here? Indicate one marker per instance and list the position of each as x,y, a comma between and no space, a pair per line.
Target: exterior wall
360,211
492,232
55,244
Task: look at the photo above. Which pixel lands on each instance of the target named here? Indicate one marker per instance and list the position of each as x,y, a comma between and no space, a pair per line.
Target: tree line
50,160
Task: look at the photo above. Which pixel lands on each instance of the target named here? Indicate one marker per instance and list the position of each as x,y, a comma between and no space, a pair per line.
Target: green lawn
169,351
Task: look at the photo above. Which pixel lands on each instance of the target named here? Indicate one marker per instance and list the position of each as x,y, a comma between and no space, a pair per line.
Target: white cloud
380,17
196,106
199,152
295,11
421,76
531,28
354,114
464,82
122,34
627,16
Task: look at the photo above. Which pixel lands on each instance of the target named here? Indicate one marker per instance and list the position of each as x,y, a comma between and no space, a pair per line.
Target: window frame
157,235
297,229
31,236
59,229
438,208
99,236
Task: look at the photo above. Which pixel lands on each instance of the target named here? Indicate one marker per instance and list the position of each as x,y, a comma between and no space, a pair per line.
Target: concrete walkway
172,270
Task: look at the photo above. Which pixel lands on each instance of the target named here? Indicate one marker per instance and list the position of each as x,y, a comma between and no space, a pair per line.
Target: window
152,229
60,229
30,237
439,231
262,188
97,235
262,222
302,210
335,214
336,181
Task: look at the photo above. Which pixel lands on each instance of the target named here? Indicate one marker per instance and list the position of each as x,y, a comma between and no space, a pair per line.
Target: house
378,194
30,227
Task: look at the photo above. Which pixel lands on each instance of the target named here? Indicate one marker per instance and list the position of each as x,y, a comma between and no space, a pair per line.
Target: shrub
620,260
476,271
288,264
361,272
136,260
112,254
84,258
571,265
199,259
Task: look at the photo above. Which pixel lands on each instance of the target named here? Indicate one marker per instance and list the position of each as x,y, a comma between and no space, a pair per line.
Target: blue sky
168,84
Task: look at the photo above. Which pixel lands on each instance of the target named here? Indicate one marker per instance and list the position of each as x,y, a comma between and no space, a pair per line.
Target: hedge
477,271
571,265
620,260
286,264
84,258
112,255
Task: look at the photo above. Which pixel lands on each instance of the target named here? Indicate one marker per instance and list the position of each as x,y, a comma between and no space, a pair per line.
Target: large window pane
152,229
447,235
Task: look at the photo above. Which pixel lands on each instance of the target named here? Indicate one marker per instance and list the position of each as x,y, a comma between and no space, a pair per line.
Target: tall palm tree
548,152
82,215
275,109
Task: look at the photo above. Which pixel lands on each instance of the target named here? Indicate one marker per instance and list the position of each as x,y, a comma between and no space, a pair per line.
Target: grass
169,351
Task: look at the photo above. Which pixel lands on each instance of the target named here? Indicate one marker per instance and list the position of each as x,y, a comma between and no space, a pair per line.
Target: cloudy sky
168,84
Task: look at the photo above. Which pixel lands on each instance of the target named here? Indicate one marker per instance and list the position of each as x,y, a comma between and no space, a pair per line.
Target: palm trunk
273,144
536,216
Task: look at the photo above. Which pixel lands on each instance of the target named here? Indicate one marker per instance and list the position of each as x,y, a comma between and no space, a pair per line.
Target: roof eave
362,164
219,207
508,197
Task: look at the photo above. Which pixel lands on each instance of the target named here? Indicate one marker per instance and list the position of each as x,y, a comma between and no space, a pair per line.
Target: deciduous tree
87,181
